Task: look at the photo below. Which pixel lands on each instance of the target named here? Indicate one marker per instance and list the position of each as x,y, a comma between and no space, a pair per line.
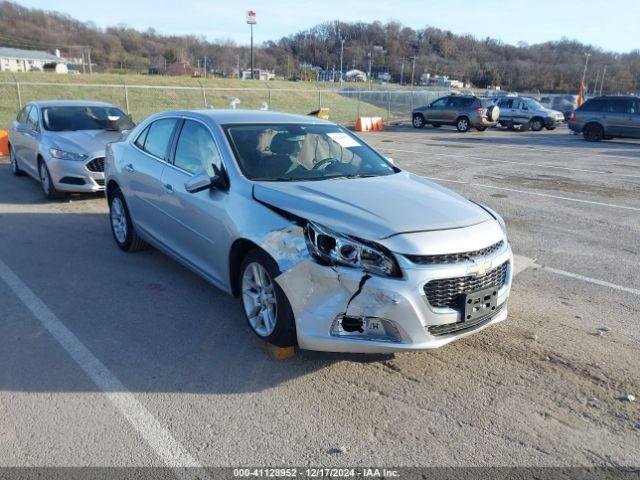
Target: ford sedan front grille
96,165
446,292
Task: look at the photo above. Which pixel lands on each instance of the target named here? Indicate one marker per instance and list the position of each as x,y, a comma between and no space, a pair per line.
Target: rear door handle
129,168
168,188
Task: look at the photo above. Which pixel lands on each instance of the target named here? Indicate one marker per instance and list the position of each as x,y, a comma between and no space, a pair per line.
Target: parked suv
565,103
607,117
326,242
463,111
527,112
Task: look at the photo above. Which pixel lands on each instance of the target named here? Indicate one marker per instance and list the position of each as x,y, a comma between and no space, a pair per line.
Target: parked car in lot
61,143
463,111
326,242
526,112
607,117
565,103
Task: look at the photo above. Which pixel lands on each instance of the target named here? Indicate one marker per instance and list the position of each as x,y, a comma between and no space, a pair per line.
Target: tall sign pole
251,20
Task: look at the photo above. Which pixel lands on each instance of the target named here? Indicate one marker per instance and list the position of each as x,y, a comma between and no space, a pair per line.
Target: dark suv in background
463,111
607,117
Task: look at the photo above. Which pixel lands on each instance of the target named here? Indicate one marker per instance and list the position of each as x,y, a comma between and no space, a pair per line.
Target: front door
195,222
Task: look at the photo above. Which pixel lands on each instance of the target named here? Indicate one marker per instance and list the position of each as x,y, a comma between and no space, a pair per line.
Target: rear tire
592,132
122,227
481,129
436,125
48,188
418,120
264,303
550,128
463,125
15,168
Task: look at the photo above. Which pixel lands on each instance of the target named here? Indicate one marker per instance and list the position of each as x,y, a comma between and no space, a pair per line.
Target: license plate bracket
479,303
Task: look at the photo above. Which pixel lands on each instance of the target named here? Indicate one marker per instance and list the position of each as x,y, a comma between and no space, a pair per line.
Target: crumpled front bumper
321,296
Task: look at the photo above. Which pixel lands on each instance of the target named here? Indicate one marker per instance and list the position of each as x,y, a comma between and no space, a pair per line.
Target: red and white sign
251,17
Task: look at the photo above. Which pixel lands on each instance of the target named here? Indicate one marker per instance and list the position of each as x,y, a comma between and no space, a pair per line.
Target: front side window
440,103
297,152
158,136
196,150
71,118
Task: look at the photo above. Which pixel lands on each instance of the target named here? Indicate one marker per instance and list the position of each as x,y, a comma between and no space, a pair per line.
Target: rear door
195,222
635,120
31,141
629,124
507,112
618,116
18,128
142,175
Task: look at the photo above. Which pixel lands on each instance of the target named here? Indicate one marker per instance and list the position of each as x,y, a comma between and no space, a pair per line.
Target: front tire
537,124
122,227
265,304
481,129
463,125
593,132
48,188
418,121
15,168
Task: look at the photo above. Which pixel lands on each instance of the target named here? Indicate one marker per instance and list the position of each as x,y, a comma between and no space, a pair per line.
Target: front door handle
129,168
168,188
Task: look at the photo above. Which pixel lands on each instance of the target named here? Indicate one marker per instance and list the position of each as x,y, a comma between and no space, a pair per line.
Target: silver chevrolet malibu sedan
328,244
61,143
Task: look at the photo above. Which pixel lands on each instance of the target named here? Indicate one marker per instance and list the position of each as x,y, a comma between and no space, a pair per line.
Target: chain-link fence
345,105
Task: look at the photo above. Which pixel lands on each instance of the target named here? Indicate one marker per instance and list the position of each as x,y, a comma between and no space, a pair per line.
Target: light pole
413,68
251,20
586,62
341,57
402,71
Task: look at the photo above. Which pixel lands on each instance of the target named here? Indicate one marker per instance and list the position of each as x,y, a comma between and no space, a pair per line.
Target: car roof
231,116
69,103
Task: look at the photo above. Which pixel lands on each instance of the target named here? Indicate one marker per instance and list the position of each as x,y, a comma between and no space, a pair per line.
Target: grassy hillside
299,97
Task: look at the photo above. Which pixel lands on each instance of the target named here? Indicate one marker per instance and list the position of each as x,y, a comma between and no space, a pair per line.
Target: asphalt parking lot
112,359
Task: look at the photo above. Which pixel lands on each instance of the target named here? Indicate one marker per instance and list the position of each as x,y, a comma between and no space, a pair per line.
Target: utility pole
239,72
413,69
586,62
402,71
205,66
251,20
341,57
604,72
89,58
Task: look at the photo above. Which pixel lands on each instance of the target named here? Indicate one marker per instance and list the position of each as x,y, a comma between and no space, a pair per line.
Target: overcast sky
612,25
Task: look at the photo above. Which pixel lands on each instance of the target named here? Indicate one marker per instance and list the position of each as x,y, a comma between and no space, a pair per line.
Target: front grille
454,257
439,330
96,165
99,181
445,292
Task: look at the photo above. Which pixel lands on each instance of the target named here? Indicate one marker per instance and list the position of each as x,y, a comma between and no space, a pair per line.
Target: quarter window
196,150
158,136
141,138
32,119
23,115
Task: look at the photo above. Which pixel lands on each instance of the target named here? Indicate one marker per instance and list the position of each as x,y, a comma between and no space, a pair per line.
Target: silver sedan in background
326,242
61,143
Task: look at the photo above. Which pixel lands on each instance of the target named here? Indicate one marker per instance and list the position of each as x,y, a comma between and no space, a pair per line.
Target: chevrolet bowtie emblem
480,266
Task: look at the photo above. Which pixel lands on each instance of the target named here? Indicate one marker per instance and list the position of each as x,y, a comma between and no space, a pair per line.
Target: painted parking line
595,281
486,159
170,451
538,194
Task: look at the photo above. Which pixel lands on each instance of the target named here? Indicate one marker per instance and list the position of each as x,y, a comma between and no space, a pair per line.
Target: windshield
65,119
293,152
532,104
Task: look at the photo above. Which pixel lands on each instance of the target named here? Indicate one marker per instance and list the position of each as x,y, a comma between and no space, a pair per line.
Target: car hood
552,112
376,207
84,141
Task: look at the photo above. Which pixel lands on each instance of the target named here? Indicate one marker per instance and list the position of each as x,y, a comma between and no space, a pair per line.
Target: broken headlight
334,248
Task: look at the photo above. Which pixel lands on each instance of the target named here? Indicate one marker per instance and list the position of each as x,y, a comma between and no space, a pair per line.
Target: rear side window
157,140
594,105
32,119
23,115
619,105
506,103
141,138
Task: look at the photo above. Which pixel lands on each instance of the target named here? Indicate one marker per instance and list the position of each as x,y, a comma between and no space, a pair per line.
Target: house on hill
18,60
180,67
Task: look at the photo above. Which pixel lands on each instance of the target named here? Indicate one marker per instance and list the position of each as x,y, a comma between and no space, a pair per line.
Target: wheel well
537,118
111,186
592,123
40,160
461,117
238,251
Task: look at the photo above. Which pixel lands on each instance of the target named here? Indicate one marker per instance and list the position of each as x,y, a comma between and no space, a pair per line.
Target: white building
17,60
355,76
258,74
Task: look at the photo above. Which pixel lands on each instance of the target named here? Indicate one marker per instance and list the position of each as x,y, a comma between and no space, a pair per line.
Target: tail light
572,117
479,109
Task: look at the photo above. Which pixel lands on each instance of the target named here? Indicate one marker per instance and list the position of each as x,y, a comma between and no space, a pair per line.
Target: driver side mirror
202,181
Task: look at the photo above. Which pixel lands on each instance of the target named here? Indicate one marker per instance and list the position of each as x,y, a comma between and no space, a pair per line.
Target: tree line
401,51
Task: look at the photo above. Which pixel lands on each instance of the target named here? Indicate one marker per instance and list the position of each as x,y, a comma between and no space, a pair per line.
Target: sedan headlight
63,155
334,248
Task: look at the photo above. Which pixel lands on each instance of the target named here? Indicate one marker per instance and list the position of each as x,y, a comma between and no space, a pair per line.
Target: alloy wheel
118,220
44,179
463,125
259,299
13,160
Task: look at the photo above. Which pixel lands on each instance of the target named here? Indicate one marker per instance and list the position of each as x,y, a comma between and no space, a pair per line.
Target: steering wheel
324,163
